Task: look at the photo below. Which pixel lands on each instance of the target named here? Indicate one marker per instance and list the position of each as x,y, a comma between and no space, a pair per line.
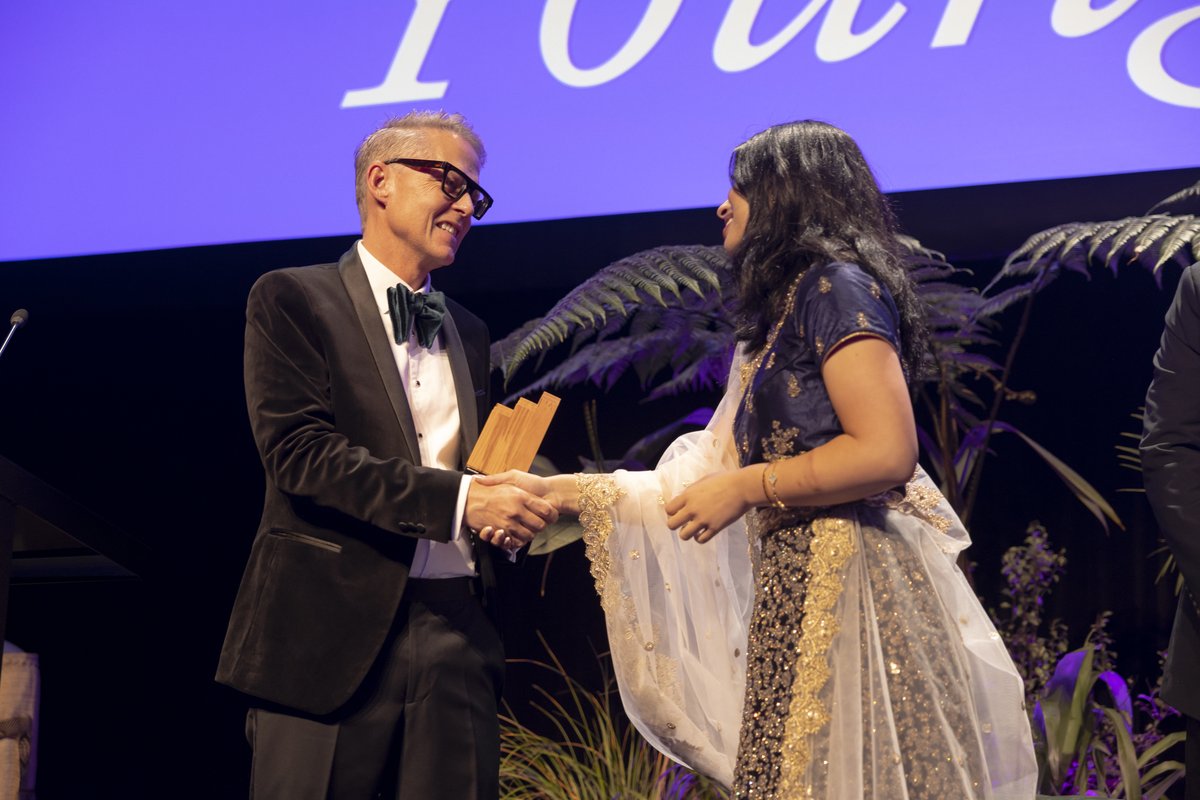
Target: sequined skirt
857,683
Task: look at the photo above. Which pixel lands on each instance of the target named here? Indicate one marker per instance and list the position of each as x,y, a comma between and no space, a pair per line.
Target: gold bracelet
769,489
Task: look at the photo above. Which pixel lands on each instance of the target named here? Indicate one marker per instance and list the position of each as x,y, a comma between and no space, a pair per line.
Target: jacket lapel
359,288
464,387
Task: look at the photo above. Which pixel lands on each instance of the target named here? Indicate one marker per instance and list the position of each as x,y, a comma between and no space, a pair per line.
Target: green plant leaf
1158,748
1126,755
1174,771
556,535
1092,500
1074,728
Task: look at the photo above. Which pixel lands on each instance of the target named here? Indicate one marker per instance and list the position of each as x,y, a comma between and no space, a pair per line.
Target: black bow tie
425,309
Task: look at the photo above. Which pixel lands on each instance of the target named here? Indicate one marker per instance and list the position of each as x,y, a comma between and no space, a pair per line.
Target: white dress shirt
429,385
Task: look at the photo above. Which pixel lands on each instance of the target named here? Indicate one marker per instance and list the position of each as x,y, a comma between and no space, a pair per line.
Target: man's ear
379,184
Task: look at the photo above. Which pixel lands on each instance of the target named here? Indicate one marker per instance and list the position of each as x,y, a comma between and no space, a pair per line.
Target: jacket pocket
304,538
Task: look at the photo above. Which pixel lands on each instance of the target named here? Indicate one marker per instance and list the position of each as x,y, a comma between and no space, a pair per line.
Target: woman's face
735,211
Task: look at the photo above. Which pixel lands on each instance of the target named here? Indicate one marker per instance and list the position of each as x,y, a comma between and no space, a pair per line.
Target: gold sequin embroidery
876,292
824,286
781,580
781,443
751,367
832,547
597,494
793,386
931,707
862,320
919,500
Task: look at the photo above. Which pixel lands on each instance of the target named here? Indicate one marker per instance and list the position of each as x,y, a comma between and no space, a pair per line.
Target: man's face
426,226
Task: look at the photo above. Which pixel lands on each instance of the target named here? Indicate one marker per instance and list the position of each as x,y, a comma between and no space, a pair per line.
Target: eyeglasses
455,182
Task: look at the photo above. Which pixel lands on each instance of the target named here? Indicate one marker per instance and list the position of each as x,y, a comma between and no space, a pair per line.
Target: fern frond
705,365
703,266
1180,198
1150,241
1148,238
914,251
656,277
1101,233
1095,234
1032,245
1131,227
1184,233
998,302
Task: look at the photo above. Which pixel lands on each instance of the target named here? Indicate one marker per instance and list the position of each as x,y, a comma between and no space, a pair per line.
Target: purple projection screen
134,125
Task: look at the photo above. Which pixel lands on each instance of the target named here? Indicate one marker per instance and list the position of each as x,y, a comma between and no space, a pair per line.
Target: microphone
18,318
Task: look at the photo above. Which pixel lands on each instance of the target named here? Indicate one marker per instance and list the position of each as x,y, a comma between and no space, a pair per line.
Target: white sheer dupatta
678,616
677,612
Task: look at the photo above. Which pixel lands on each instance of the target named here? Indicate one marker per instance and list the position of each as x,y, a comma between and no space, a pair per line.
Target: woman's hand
711,504
531,483
558,490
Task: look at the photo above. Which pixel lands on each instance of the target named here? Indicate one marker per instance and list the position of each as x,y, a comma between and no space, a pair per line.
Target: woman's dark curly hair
813,200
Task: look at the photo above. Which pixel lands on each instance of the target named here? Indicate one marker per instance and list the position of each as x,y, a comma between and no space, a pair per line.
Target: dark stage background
124,390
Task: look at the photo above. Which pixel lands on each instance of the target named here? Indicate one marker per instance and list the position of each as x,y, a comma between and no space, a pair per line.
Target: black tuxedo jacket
1171,465
346,496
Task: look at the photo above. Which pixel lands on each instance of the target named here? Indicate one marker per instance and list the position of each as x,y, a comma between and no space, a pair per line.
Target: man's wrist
459,524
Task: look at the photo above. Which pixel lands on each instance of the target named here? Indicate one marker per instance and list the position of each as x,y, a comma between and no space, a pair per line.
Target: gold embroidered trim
824,286
832,547
828,351
925,500
918,500
750,368
597,495
793,386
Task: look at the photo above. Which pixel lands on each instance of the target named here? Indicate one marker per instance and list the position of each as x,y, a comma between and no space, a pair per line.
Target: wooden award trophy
511,436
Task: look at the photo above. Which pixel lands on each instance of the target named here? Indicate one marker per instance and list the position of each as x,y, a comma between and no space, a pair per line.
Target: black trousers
423,725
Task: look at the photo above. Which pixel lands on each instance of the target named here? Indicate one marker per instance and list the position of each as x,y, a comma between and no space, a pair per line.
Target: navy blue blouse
785,408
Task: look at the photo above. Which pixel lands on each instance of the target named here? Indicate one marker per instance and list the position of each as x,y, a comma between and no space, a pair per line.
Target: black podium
46,536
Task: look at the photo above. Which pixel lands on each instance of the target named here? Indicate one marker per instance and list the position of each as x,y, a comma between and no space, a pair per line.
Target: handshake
510,508
507,506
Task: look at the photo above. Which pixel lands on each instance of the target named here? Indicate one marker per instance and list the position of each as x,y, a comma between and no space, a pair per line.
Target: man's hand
561,491
506,515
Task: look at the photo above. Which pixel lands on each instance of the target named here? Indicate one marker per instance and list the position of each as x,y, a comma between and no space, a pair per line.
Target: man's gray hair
400,136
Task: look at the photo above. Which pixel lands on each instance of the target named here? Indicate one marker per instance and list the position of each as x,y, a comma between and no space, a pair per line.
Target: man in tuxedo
359,628
1171,467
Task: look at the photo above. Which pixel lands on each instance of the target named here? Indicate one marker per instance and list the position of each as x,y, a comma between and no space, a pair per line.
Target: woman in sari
806,631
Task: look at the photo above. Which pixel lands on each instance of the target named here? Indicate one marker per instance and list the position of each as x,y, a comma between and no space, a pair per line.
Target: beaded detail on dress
774,639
